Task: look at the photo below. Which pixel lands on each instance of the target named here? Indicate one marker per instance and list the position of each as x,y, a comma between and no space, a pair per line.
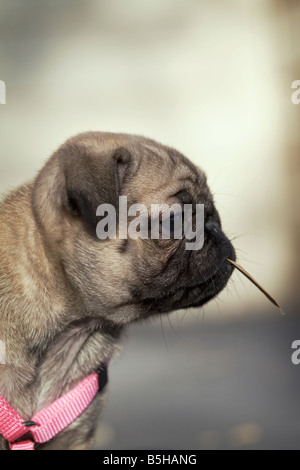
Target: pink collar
51,420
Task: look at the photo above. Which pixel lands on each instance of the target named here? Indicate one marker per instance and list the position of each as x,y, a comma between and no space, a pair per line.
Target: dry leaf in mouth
248,276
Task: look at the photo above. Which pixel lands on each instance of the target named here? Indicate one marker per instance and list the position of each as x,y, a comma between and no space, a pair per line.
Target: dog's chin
188,296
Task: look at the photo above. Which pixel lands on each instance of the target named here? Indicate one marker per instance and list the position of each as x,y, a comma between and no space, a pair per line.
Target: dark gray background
230,385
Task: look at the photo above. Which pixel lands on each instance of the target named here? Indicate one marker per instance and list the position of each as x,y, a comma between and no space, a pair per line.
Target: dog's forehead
161,169
96,143
166,172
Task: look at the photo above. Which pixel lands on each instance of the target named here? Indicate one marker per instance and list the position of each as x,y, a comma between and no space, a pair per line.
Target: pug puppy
66,296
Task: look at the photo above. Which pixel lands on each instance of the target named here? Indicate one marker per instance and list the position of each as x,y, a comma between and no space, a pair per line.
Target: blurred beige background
212,79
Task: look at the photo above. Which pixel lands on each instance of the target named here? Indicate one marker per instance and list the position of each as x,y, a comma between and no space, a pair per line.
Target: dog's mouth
187,296
190,278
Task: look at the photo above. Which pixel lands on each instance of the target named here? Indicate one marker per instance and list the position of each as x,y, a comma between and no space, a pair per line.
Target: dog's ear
123,159
92,180
75,181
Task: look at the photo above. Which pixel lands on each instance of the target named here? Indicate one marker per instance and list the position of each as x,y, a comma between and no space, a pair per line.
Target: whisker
236,237
170,323
203,318
184,315
163,333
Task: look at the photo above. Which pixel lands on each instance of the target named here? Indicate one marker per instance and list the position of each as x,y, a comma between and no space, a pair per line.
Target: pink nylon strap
51,420
11,423
24,445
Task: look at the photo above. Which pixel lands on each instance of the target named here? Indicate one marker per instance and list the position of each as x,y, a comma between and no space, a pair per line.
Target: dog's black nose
224,246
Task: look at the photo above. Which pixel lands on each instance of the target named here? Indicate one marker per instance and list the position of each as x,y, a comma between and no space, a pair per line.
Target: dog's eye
172,227
175,223
74,206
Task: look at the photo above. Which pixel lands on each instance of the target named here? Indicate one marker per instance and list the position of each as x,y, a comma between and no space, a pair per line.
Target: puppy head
123,280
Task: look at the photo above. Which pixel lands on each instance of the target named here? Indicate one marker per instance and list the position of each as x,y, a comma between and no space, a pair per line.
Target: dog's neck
46,342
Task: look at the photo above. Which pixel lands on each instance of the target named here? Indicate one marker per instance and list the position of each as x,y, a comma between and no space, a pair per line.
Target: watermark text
162,221
296,353
296,95
2,353
2,92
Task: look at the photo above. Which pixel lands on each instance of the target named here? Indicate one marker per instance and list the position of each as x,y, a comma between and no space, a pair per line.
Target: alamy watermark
2,353
296,354
2,92
163,221
296,95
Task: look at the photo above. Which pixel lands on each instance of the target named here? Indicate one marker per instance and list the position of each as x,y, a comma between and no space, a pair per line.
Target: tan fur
65,296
